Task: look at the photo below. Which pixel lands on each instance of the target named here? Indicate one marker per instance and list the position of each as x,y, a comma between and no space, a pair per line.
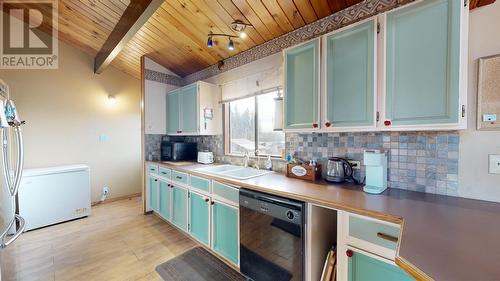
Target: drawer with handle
165,173
179,177
373,235
153,169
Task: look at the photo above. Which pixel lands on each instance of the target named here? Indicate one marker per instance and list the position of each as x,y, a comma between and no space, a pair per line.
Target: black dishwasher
271,237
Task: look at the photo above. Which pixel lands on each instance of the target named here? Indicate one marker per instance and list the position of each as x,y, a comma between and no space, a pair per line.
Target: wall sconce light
111,99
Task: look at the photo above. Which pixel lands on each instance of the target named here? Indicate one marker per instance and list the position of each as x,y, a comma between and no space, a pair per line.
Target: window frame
227,126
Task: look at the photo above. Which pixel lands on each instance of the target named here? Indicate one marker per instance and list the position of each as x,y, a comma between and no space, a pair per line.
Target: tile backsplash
418,161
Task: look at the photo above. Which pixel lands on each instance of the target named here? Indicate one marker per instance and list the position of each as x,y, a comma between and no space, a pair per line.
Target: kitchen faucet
246,159
256,165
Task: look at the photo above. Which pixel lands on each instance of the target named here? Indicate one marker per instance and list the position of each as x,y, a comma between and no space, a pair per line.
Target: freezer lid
54,170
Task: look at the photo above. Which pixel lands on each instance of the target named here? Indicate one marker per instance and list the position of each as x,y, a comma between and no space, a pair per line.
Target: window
251,126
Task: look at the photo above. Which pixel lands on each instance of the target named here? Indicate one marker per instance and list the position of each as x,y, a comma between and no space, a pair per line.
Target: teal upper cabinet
423,63
301,99
179,207
351,77
153,193
225,235
189,109
199,215
165,200
364,268
173,116
194,110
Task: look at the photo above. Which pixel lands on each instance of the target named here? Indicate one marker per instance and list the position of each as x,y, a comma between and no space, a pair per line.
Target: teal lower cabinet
165,200
153,193
225,235
199,216
361,267
179,207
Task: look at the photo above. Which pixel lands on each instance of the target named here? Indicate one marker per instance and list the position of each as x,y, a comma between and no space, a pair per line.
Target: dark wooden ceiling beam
134,17
479,3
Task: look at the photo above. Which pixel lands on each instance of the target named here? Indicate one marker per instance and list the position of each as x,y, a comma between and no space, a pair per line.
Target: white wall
155,100
271,62
67,110
475,146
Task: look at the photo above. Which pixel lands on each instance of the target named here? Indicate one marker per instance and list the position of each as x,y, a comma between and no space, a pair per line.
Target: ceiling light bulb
243,35
230,46
111,99
210,42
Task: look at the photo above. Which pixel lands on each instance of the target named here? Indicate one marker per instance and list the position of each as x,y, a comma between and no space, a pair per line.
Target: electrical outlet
356,165
494,164
105,190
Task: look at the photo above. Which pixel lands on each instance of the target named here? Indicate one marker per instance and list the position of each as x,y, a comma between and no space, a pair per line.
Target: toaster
205,157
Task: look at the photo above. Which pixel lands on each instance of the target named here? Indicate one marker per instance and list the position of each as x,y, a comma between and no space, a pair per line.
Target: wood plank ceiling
176,35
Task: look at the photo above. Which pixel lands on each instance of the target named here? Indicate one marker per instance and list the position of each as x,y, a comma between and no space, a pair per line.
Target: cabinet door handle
349,253
156,180
387,237
212,203
328,124
315,125
178,177
206,200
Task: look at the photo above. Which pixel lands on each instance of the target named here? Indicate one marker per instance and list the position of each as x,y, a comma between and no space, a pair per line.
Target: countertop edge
400,261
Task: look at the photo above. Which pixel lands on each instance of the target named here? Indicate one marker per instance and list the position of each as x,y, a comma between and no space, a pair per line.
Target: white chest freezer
53,195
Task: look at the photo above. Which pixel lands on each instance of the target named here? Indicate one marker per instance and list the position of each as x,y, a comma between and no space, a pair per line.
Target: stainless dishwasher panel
271,237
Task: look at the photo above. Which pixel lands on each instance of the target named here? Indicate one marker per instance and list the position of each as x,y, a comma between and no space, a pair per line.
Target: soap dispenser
269,163
376,171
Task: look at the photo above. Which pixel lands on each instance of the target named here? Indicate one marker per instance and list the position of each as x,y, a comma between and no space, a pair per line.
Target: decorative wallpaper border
355,13
163,78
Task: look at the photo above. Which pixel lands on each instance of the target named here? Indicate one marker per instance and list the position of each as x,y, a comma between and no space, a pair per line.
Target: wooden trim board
116,199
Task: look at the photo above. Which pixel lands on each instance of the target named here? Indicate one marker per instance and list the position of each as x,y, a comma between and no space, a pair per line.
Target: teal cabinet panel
199,213
165,173
189,112
165,200
225,226
226,192
173,117
365,268
179,207
153,169
200,183
301,86
367,230
180,177
350,75
423,59
153,193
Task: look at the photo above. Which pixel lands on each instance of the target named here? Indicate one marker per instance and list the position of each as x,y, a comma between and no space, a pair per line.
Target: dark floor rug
197,264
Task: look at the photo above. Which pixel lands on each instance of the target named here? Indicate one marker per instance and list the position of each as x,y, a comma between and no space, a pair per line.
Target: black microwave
178,151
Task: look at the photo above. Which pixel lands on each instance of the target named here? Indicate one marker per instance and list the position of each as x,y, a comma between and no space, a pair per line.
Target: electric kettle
338,170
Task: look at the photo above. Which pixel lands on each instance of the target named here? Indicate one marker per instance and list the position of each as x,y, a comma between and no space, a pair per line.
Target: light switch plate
494,164
103,138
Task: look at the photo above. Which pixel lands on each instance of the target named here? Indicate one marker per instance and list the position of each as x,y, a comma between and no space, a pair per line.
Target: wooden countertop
443,238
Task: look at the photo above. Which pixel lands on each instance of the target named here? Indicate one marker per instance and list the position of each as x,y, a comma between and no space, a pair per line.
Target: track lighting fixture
230,45
210,42
237,26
